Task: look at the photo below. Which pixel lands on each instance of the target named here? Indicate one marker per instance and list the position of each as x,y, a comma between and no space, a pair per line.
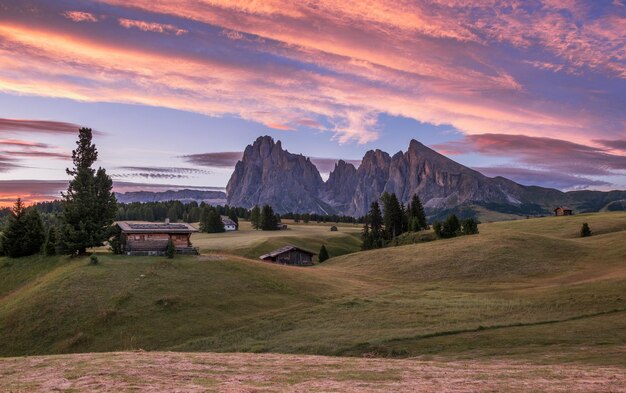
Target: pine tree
233,217
269,220
393,215
89,206
211,221
24,234
323,255
366,236
375,218
585,231
417,216
51,242
255,217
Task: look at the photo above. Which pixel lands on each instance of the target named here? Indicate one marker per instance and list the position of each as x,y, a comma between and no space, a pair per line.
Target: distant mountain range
185,196
291,183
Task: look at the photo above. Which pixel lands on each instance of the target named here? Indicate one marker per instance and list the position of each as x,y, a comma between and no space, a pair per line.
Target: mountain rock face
269,174
291,183
340,186
185,196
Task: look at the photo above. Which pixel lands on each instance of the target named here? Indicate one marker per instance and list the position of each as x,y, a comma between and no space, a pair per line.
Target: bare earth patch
234,372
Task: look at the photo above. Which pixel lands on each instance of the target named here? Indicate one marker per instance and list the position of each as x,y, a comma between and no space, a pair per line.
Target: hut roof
228,221
155,227
563,207
285,249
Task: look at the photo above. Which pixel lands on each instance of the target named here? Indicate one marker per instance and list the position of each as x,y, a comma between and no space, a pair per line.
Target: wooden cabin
150,238
229,225
563,211
290,255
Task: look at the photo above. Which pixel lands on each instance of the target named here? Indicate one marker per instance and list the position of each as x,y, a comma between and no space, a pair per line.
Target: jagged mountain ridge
291,183
185,196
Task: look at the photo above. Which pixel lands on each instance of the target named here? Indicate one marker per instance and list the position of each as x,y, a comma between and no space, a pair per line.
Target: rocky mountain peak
291,183
268,174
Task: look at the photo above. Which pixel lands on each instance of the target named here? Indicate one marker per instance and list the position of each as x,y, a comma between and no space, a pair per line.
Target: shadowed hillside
528,289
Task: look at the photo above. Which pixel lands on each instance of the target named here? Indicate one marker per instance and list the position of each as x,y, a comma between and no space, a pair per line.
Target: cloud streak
38,126
33,191
480,67
229,159
151,26
159,172
532,177
550,154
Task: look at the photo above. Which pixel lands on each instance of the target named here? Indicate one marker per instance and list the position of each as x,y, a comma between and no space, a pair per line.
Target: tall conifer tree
89,206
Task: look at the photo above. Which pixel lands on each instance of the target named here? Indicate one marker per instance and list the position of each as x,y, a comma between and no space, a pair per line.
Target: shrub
585,231
437,227
470,226
451,227
93,260
323,254
171,249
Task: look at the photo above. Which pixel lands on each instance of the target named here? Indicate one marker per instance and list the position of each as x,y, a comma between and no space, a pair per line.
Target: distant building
563,211
140,238
229,225
333,228
290,255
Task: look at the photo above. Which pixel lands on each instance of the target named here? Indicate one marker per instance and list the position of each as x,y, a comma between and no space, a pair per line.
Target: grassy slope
251,243
531,289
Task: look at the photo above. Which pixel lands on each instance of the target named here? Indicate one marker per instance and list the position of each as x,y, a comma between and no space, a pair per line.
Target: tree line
384,224
87,210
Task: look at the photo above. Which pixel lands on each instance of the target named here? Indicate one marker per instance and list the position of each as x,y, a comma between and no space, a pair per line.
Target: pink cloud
38,126
546,153
278,126
151,26
436,62
79,16
16,142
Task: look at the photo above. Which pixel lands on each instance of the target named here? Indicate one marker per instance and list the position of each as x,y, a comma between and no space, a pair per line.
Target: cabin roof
563,207
285,249
228,221
155,227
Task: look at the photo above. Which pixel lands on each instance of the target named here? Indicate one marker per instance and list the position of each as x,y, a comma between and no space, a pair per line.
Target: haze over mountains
291,183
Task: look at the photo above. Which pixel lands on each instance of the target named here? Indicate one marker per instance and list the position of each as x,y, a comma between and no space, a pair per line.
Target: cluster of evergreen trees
174,210
453,227
264,218
382,226
211,219
88,210
23,233
313,217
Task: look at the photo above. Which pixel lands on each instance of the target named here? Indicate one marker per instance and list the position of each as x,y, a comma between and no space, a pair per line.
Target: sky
531,90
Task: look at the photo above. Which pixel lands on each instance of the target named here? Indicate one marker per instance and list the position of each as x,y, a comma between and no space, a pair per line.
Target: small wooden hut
563,211
290,255
149,238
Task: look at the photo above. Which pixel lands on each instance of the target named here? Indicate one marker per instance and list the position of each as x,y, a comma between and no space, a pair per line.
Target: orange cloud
278,126
344,62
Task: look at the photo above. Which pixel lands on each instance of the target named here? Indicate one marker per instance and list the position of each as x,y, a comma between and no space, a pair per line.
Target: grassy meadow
528,290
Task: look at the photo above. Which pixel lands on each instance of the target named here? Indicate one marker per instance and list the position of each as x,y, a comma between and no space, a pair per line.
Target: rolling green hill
527,289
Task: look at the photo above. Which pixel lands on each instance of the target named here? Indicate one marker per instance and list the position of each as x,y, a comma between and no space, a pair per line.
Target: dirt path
214,372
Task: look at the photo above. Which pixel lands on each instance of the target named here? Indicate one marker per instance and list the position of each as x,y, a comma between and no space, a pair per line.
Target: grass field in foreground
210,372
528,290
